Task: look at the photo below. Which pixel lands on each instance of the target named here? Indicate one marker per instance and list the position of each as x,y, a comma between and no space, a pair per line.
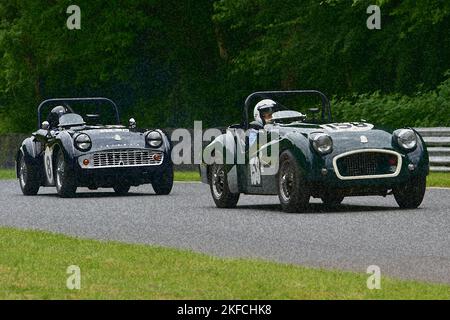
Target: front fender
300,147
419,157
64,142
30,153
222,150
167,144
28,149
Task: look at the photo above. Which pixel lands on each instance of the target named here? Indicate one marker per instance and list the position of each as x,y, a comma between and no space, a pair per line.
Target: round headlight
322,143
406,138
154,139
83,142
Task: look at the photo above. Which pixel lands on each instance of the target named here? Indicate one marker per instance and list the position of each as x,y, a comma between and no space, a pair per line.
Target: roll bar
61,100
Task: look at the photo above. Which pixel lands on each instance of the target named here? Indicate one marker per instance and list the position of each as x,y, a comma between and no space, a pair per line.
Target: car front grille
127,158
368,164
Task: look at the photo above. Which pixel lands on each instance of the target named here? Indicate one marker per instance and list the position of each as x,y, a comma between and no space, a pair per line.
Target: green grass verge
187,176
439,179
33,265
6,174
435,179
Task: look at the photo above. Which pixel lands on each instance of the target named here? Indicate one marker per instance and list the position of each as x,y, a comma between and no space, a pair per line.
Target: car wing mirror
132,123
45,125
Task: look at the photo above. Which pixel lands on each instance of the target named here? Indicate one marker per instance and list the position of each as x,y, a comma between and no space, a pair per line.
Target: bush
428,109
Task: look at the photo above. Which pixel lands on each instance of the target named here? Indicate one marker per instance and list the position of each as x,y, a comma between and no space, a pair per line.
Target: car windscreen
296,107
287,116
94,113
71,120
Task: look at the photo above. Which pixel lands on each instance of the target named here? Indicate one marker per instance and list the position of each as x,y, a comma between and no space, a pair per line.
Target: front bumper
106,174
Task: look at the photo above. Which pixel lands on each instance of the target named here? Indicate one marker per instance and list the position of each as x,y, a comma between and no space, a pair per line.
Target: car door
258,152
44,142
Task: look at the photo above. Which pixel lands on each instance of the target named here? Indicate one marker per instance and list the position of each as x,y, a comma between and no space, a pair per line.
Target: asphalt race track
410,244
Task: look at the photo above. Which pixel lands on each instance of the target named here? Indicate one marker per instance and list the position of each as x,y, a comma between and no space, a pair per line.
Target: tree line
168,63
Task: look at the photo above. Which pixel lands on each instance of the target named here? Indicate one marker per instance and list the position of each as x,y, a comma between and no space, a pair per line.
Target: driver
263,111
55,114
263,115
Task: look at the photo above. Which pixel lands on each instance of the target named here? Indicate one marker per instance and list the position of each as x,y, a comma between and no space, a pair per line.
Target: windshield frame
73,124
278,120
62,100
326,107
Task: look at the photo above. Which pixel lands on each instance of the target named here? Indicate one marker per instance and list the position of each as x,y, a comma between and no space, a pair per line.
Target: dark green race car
298,156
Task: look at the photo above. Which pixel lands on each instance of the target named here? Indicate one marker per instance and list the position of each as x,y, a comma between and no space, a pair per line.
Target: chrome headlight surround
83,142
154,139
322,143
406,139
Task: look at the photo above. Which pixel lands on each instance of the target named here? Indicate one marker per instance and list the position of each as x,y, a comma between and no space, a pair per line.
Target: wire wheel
23,173
28,178
60,170
293,190
222,196
65,180
218,181
286,181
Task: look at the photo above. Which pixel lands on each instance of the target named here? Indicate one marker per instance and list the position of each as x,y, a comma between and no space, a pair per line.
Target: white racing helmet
267,105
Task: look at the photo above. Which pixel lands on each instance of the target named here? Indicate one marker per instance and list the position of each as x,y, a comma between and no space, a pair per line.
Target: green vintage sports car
299,155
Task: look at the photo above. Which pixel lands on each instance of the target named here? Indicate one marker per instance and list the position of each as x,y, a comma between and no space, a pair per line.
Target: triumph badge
364,139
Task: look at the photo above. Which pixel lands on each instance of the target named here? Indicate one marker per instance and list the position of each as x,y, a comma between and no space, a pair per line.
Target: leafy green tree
326,45
168,63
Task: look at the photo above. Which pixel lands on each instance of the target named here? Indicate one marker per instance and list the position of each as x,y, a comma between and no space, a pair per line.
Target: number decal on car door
48,164
255,171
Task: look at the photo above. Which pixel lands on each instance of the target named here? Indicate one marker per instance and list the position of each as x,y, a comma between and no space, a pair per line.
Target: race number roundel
255,171
48,163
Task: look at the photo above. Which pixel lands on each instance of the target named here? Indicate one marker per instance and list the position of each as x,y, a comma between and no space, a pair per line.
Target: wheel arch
300,149
64,143
224,148
226,145
29,152
167,142
19,155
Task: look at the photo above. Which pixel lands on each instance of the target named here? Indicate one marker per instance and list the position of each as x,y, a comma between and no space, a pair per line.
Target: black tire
28,178
331,199
221,194
121,189
410,195
293,190
65,179
163,181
